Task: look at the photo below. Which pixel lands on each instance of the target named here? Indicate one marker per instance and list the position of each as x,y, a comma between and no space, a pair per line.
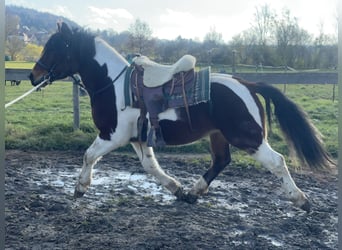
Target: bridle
52,75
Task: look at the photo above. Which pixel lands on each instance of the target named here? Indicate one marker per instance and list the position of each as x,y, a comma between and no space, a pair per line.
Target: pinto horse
234,116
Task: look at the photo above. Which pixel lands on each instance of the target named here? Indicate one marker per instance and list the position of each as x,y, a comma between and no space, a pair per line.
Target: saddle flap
156,74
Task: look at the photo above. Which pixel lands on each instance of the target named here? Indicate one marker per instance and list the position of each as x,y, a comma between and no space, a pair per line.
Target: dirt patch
127,209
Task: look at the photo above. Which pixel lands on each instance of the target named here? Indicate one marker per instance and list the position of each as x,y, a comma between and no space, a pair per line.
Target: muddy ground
127,209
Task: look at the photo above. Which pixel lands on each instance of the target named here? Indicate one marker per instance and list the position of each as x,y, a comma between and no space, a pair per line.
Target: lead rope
26,94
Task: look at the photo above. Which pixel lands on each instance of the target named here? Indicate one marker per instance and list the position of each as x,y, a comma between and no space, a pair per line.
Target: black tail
296,126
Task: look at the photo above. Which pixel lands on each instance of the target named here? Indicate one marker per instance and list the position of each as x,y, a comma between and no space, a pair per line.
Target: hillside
32,22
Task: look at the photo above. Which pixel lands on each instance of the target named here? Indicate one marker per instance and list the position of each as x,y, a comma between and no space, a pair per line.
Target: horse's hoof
191,198
78,194
306,206
187,197
180,194
303,203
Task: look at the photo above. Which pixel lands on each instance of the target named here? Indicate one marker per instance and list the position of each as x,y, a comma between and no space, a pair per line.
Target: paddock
127,209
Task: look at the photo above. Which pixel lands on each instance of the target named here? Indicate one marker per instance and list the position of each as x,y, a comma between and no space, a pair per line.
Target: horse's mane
83,33
84,40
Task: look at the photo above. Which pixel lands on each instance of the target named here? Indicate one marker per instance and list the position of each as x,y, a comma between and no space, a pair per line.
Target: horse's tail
297,128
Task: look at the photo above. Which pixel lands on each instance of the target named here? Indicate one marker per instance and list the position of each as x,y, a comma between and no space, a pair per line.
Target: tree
12,25
212,43
30,52
263,28
263,24
140,36
322,54
246,46
290,38
14,45
213,37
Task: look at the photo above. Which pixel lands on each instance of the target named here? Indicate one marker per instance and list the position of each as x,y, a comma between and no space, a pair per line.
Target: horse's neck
108,55
95,78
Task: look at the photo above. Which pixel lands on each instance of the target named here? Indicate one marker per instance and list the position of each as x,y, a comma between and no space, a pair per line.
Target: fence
15,75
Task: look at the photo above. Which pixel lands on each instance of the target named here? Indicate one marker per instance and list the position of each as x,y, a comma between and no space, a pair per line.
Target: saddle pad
197,93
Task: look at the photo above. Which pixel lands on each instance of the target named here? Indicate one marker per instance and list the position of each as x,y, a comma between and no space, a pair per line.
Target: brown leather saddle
154,88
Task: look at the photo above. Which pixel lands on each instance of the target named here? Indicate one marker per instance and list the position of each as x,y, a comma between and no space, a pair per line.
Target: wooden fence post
234,62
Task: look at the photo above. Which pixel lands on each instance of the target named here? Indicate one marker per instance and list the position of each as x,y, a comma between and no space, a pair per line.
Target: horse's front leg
151,166
94,153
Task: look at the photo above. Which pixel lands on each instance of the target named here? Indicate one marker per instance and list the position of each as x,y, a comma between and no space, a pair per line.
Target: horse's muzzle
34,82
32,79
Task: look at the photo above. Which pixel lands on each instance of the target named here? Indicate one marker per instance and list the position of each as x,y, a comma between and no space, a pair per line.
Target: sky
191,19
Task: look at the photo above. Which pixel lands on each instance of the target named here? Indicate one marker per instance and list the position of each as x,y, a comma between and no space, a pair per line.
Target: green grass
44,120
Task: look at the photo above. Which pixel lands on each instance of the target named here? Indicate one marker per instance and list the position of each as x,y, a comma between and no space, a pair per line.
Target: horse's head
58,59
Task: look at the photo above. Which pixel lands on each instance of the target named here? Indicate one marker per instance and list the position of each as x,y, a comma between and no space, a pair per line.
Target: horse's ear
59,25
64,29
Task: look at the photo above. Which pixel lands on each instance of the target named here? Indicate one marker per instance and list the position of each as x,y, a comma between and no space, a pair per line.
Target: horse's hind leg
275,162
151,166
220,155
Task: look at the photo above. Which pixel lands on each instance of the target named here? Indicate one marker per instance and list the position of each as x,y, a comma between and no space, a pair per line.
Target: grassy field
44,120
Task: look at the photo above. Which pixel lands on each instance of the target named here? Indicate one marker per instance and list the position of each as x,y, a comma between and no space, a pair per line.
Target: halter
51,75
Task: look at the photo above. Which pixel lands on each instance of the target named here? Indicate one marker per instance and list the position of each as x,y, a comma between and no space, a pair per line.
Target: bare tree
140,36
246,46
262,27
213,37
263,24
289,37
12,25
14,45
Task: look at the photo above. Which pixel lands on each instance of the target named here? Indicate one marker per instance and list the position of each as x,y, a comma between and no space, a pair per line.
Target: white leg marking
275,162
151,166
93,154
200,188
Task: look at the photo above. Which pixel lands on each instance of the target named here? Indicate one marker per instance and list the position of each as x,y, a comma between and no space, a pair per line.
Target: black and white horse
233,116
